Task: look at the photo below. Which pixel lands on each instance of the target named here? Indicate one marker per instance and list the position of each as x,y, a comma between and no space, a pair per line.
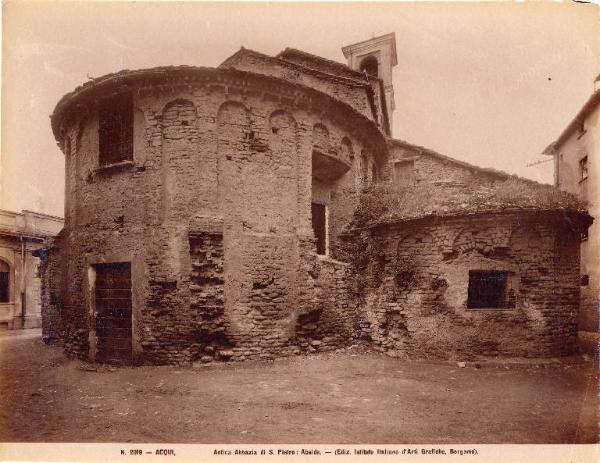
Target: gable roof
586,109
386,204
489,191
291,64
362,84
320,63
365,44
472,167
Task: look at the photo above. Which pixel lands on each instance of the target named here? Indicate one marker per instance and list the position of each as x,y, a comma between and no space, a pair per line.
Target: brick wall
347,90
214,216
429,168
329,323
52,324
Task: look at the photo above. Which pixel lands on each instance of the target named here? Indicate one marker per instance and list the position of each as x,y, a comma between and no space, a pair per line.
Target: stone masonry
413,294
208,213
212,212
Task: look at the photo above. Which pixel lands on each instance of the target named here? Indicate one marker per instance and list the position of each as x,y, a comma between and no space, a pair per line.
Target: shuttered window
404,173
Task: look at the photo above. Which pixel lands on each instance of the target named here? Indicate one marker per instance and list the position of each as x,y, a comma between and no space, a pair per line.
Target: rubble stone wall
52,324
429,168
415,287
347,90
329,325
214,216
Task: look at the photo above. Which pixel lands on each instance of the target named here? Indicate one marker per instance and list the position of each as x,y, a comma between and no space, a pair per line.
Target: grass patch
384,203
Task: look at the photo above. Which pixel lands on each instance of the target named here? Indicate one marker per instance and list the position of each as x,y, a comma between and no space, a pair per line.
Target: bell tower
376,57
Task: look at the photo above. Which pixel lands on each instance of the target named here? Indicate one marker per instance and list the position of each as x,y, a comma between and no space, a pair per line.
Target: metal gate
113,313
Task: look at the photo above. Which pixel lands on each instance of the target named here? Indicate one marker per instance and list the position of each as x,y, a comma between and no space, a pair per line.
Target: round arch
370,65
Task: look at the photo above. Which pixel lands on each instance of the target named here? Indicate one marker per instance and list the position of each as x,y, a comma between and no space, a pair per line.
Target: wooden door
113,313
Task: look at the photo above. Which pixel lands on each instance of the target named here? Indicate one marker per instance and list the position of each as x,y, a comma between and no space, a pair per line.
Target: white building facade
576,170
20,283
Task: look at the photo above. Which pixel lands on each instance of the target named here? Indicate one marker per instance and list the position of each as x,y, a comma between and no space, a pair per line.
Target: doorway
319,223
113,313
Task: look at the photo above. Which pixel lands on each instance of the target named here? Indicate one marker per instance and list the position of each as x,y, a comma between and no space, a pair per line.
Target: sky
491,84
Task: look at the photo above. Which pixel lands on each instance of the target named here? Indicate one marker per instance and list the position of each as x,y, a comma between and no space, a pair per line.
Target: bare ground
327,398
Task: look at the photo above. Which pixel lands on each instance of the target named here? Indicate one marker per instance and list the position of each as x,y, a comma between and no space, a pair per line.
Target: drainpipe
23,292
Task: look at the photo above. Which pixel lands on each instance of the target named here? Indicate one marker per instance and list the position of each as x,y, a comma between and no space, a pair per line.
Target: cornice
228,80
372,43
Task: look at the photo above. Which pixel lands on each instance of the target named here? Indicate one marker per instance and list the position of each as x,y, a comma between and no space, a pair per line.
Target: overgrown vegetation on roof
384,203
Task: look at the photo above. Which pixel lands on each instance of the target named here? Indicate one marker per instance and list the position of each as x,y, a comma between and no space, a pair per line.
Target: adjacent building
451,260
20,283
576,155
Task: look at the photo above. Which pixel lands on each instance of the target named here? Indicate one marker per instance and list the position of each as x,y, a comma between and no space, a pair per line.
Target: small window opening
583,167
489,290
116,129
404,173
4,282
585,280
319,223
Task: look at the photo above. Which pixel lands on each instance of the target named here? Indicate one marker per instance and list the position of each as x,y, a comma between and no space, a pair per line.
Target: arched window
179,121
370,65
4,282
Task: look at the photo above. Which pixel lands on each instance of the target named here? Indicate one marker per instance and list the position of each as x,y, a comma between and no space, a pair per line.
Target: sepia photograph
300,230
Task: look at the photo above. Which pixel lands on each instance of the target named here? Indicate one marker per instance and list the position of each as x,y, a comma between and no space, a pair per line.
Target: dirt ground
328,398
